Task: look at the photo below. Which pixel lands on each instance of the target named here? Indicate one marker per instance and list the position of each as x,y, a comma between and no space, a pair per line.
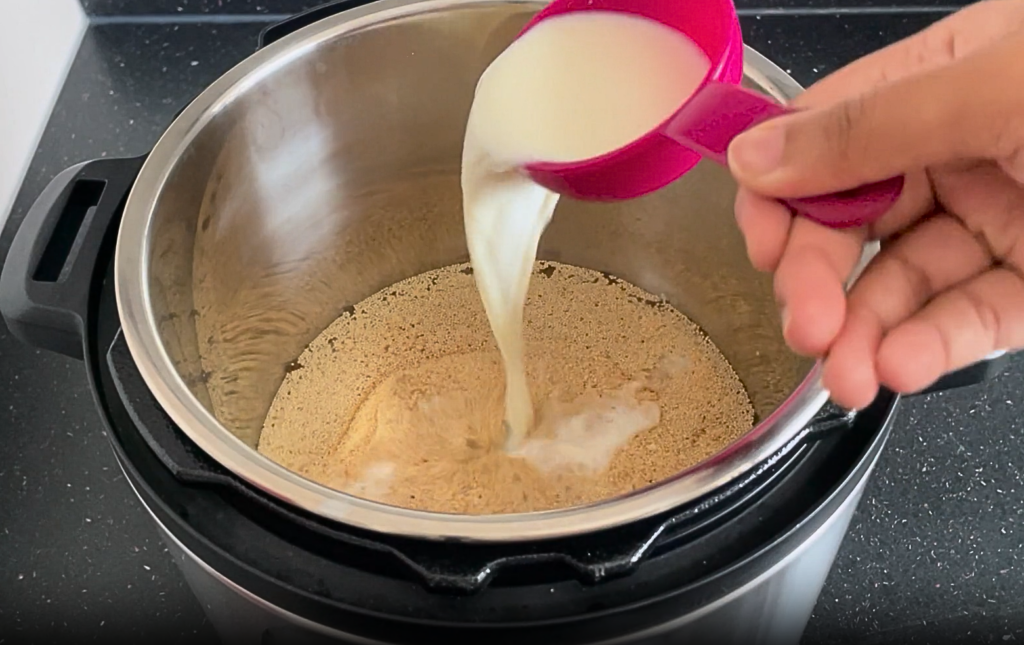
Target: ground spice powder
400,399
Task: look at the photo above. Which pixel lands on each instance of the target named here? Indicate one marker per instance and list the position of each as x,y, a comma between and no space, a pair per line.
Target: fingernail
785,322
758,151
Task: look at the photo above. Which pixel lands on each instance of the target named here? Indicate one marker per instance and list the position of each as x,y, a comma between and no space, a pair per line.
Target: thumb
971,108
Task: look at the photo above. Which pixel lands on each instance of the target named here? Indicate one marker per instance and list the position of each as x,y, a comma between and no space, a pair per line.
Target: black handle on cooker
984,370
831,417
279,30
46,280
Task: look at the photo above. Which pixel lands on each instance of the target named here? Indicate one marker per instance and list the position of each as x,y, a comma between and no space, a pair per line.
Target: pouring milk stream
573,87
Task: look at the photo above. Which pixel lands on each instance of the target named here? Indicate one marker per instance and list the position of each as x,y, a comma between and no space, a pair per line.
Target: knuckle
1006,136
842,135
988,319
1013,165
1012,259
940,45
918,284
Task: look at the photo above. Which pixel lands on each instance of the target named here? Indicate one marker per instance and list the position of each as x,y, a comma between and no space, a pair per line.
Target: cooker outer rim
200,425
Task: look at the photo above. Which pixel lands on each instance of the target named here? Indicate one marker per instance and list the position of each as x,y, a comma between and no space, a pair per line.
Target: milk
575,86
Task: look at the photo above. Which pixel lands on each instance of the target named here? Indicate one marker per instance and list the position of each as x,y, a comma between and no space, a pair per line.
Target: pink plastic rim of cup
654,160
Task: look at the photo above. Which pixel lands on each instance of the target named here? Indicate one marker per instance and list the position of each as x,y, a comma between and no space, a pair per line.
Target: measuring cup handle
719,112
859,206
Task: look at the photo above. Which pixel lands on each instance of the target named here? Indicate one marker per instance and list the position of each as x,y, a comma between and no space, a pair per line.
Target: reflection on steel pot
320,170
325,168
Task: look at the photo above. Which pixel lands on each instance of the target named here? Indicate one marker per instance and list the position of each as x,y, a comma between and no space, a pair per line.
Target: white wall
38,41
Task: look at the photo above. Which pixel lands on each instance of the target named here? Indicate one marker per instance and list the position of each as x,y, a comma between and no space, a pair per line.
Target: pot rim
132,279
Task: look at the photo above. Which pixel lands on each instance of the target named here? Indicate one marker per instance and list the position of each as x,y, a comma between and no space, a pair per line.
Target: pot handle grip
279,30
831,417
46,281
984,370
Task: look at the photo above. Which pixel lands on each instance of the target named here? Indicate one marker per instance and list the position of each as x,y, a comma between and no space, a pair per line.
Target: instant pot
322,169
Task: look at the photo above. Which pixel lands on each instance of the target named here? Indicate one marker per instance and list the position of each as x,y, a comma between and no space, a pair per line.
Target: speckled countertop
935,554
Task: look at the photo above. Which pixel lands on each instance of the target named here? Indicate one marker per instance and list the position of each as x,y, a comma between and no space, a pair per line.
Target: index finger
810,283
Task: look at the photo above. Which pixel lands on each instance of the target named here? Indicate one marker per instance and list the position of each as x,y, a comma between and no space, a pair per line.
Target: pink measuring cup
702,127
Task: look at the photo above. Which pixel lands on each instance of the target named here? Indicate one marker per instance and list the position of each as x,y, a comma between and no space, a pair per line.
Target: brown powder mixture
400,399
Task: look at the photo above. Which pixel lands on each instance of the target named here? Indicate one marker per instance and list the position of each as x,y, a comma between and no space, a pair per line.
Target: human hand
945,108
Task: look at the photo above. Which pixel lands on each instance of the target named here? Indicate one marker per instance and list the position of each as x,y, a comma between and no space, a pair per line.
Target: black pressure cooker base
560,591
589,558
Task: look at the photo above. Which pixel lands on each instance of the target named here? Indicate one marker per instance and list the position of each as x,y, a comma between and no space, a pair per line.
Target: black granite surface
158,7
935,553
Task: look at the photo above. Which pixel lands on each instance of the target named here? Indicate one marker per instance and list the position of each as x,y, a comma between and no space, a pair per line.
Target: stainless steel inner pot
326,167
